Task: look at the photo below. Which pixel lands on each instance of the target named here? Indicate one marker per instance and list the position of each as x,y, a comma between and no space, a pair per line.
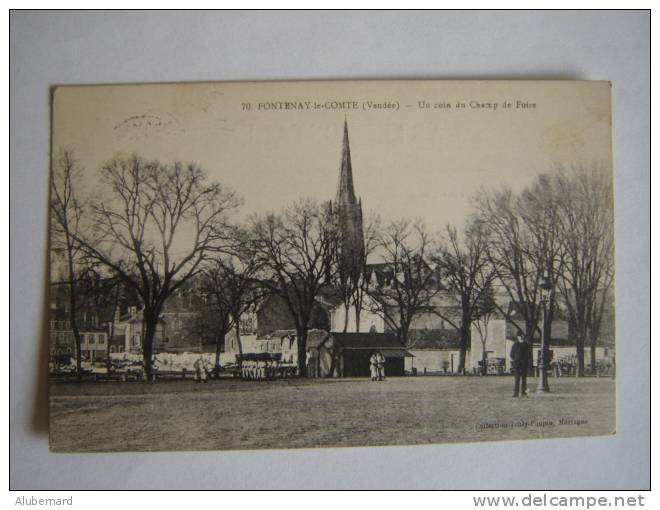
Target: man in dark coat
519,363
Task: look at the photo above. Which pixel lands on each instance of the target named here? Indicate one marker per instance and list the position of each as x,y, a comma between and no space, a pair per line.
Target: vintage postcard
324,264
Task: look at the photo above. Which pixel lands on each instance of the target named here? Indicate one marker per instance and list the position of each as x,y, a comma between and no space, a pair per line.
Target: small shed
347,354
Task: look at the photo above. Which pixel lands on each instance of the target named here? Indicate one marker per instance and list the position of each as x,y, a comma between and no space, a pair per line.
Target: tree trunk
403,332
357,318
592,356
302,351
150,324
76,338
547,334
237,328
579,369
111,332
347,308
463,346
581,335
74,312
484,371
529,336
579,347
218,347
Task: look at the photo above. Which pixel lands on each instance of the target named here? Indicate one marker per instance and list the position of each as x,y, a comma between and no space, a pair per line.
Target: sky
275,142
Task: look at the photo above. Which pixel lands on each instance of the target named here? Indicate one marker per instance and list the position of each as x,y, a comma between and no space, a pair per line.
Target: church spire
348,216
345,190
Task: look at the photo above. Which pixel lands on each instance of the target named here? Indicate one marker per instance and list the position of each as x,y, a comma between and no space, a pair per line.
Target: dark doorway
356,363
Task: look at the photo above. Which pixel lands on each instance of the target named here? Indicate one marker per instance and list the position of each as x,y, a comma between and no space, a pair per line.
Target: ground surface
231,414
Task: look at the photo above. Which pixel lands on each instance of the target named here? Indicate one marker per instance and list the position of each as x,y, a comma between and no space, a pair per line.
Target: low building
348,354
328,354
282,341
92,323
435,351
176,330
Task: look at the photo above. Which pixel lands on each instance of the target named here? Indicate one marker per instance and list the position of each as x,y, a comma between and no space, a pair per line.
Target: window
92,340
82,338
101,339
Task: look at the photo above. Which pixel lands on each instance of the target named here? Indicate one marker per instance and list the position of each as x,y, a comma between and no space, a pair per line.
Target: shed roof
379,341
396,353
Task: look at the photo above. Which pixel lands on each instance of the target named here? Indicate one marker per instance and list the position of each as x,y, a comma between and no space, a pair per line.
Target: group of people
259,370
377,366
202,369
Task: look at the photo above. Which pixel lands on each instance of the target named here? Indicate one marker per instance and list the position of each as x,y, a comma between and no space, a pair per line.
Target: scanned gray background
51,48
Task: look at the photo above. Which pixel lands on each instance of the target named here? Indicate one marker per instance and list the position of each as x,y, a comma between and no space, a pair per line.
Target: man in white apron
373,366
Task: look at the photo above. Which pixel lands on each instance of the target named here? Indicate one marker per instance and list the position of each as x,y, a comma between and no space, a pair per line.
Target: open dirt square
233,414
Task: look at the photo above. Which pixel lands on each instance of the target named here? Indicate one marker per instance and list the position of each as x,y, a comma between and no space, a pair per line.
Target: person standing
381,366
520,363
373,366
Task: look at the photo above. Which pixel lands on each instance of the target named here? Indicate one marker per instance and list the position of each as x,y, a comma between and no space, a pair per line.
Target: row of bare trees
560,226
150,228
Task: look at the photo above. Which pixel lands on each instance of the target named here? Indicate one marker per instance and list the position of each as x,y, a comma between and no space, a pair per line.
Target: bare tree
410,282
101,295
466,274
522,246
294,251
587,233
230,289
66,221
154,226
483,314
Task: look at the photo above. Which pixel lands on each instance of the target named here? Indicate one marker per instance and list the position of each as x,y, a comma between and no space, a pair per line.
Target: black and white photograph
400,256
319,264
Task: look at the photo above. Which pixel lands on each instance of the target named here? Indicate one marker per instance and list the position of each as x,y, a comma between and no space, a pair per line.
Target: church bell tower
348,215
